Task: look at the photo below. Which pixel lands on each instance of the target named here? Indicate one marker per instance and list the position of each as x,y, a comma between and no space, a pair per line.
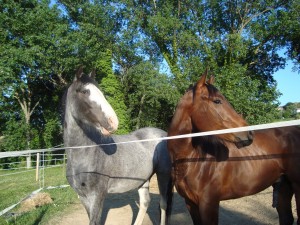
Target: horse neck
181,122
71,130
77,133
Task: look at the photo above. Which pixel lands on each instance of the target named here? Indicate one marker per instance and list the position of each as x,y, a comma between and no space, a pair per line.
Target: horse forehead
96,95
208,90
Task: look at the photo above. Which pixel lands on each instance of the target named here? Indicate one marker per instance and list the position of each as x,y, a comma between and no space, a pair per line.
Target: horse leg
194,212
204,213
209,212
144,196
92,190
165,186
284,207
296,188
93,203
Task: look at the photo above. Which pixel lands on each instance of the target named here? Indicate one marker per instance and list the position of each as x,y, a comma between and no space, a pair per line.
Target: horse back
158,147
281,140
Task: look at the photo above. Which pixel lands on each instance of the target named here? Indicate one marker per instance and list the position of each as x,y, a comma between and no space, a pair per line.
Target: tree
112,89
150,96
96,25
290,111
222,36
245,95
128,43
286,30
24,54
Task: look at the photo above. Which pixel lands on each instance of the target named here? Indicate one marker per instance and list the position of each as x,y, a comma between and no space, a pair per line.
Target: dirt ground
122,209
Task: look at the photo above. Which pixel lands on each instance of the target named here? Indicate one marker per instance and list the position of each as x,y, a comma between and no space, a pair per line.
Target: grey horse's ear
79,72
93,74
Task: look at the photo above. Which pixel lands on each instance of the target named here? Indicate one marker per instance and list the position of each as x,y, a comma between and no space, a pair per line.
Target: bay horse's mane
211,145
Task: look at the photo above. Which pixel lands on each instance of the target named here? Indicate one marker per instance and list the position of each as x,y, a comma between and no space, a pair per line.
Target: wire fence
57,159
18,181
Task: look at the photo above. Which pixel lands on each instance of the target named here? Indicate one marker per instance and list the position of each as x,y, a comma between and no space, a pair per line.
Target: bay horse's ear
79,72
93,74
211,80
202,80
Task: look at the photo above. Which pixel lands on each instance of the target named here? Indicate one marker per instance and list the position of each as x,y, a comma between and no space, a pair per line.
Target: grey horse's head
88,105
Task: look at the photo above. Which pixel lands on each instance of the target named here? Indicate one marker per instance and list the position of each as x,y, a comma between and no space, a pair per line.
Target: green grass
15,187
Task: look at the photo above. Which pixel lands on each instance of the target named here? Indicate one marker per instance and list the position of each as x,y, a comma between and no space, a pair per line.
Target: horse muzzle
244,140
110,127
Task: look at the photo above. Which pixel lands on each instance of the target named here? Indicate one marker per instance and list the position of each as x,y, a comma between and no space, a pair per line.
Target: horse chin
243,143
103,131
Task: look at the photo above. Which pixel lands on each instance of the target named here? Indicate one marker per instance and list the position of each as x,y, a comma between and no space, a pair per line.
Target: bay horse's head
207,109
211,111
88,105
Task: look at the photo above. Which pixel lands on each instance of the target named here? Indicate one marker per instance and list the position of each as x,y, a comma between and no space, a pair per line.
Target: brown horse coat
207,170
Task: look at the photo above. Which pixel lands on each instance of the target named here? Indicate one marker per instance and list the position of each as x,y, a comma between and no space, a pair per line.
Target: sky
288,83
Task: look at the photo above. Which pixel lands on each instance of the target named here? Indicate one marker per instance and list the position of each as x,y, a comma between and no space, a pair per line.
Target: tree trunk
27,110
138,123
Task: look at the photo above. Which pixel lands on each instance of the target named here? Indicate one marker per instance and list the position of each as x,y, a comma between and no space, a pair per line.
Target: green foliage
15,135
238,38
150,96
245,96
20,136
113,91
43,42
290,110
32,61
51,133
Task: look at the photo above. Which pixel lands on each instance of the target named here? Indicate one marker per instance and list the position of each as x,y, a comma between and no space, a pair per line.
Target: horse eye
217,101
85,92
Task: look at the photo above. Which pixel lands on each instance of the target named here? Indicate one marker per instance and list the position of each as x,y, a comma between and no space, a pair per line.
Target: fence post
28,161
37,166
64,164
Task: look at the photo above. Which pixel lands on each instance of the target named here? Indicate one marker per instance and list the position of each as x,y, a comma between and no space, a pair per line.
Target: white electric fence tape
200,134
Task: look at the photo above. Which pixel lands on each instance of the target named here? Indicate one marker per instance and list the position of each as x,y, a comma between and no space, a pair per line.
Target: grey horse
102,164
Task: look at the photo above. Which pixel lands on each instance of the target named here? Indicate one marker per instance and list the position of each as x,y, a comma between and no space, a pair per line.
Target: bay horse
207,170
99,165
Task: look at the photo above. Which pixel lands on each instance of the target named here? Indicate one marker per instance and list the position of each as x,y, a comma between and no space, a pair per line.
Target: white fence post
37,166
28,161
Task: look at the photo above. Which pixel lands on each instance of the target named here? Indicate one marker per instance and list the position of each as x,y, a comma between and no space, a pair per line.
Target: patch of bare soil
122,209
